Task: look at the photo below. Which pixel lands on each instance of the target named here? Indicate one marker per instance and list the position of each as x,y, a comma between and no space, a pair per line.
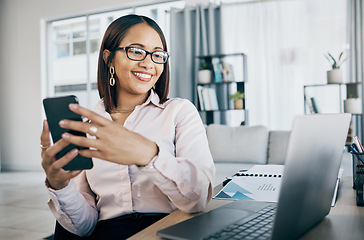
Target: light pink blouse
179,177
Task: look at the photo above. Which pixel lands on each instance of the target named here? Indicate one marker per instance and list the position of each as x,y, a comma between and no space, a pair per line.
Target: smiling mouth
143,76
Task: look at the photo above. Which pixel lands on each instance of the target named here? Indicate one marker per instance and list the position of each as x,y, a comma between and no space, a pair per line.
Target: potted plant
204,73
334,75
352,105
238,98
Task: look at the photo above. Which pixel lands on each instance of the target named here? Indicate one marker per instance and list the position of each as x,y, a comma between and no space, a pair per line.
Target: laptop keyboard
258,227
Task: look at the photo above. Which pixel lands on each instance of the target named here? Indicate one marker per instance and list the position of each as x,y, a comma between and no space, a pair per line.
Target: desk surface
345,220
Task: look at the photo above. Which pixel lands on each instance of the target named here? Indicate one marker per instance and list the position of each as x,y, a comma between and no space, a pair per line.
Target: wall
20,72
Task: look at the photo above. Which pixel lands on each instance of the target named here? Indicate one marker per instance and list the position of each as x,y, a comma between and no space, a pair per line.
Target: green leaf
335,63
237,95
333,59
341,54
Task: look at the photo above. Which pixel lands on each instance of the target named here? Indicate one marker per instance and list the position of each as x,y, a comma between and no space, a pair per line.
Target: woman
150,153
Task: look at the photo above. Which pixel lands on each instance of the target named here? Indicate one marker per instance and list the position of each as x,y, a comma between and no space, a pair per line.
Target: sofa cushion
245,144
277,146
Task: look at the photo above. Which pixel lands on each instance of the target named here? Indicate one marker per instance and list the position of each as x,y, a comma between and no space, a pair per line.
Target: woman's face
138,77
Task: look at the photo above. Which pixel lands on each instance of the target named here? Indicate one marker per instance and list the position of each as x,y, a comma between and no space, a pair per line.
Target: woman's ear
105,55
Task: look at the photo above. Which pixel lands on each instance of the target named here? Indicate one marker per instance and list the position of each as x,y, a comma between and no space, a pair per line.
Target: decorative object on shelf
228,75
205,73
352,105
238,98
335,76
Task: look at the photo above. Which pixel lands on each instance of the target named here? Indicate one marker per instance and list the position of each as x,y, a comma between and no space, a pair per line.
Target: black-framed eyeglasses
139,54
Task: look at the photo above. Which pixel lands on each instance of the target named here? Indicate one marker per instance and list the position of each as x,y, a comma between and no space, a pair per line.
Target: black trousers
116,228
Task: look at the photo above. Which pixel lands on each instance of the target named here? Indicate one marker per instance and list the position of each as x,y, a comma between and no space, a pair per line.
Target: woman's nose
147,62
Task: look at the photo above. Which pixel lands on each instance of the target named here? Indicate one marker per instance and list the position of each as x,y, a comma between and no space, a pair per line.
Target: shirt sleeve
74,206
186,177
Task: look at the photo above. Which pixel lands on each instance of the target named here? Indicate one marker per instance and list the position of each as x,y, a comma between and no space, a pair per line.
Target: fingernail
65,135
74,151
73,106
61,123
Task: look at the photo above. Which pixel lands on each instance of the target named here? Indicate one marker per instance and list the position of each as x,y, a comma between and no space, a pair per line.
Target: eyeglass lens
139,54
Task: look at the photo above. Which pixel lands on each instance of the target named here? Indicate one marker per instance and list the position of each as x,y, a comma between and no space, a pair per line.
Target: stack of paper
260,183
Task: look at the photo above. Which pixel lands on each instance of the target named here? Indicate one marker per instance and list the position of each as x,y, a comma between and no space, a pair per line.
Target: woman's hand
113,142
56,176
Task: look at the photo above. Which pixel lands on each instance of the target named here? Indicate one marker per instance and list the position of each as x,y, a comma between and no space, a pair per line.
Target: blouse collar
152,99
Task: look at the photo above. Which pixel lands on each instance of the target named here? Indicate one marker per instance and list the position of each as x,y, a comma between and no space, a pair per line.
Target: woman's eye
159,55
136,51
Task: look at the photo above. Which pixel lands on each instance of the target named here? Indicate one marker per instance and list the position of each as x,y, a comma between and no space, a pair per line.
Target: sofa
238,148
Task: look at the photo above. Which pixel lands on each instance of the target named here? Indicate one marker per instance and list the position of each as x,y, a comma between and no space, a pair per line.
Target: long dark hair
113,36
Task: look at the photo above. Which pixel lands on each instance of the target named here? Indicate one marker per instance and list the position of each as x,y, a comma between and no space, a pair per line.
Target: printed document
260,183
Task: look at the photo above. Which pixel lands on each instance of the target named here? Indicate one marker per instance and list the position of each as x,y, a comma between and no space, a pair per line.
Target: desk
345,220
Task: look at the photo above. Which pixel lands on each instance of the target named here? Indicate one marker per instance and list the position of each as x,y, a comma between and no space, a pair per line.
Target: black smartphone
56,109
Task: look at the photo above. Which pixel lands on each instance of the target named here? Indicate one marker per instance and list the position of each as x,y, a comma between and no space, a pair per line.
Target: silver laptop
312,164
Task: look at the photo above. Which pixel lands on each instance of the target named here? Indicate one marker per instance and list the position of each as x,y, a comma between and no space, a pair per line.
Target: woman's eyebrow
142,46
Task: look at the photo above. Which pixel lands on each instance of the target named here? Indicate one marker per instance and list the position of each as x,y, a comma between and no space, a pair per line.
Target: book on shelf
213,99
228,74
221,92
314,105
217,70
207,98
309,105
200,97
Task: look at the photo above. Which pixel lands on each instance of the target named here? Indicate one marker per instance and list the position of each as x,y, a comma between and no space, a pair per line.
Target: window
285,42
73,49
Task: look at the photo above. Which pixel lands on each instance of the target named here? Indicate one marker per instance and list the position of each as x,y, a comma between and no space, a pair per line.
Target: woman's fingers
80,126
58,164
81,141
94,117
90,153
44,137
72,174
75,125
97,120
46,142
57,177
53,150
